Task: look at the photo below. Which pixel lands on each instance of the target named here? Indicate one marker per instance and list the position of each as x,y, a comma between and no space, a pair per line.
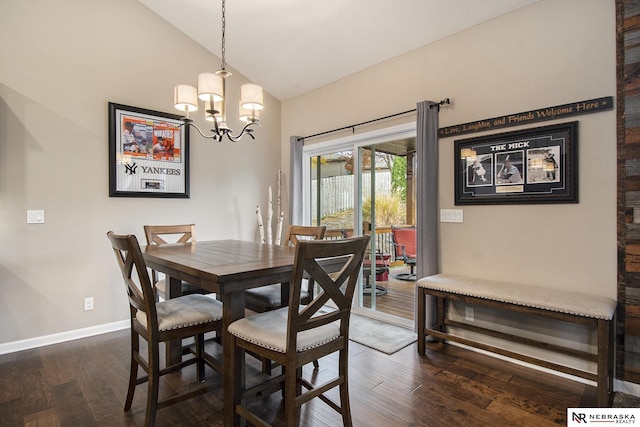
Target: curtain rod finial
445,101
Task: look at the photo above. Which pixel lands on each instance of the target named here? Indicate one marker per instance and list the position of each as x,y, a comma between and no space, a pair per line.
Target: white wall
550,53
62,62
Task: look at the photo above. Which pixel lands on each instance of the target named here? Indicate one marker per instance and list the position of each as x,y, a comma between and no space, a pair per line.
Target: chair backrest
165,234
334,265
366,230
136,276
404,242
334,234
296,233
350,232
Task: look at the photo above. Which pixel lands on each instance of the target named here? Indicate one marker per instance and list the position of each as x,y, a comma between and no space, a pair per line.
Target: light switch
451,215
35,217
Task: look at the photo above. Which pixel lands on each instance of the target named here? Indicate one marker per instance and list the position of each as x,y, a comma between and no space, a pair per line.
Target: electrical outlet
88,304
35,217
468,313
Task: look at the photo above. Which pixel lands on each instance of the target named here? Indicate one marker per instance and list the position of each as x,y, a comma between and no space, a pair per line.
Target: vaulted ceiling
293,46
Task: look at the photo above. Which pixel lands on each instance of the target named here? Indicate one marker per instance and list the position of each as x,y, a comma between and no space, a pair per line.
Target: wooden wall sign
528,117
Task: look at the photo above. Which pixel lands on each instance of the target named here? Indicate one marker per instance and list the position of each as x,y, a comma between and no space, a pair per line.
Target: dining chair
156,322
267,298
381,264
166,234
296,335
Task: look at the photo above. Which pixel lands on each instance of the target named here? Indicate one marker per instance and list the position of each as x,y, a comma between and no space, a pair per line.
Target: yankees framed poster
537,165
148,153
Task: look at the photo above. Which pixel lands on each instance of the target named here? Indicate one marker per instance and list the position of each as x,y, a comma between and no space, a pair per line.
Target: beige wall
550,53
62,62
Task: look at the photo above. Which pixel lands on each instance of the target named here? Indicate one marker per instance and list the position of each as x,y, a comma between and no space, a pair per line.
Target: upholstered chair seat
188,310
269,330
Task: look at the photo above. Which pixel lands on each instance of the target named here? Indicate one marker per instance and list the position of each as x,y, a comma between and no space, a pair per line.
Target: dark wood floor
83,383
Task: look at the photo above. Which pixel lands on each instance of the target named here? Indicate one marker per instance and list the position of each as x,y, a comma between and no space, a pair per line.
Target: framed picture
148,153
538,165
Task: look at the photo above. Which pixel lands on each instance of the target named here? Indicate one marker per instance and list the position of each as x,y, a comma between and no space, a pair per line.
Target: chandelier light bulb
251,96
213,114
185,97
210,85
248,115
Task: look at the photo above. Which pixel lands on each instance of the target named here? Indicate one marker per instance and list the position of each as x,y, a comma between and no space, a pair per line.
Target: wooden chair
405,245
177,318
163,235
267,298
296,335
381,265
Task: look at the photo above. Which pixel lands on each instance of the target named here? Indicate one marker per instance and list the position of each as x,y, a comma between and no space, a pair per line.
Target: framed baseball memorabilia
148,153
538,165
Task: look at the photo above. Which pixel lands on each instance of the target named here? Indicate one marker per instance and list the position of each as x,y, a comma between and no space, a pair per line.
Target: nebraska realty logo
602,416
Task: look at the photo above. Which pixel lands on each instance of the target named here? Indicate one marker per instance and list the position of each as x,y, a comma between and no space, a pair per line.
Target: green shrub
390,210
399,177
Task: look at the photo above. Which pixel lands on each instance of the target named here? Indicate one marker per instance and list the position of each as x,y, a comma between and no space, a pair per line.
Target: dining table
227,268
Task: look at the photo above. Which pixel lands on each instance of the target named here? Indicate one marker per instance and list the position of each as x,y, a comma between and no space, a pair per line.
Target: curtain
295,180
427,193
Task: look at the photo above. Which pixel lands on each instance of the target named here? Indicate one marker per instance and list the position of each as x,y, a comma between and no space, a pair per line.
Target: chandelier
211,90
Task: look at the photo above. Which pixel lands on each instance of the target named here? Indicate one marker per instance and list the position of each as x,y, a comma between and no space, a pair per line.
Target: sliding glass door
331,187
362,185
384,206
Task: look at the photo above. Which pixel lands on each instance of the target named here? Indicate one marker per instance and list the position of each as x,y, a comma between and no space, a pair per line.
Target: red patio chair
405,243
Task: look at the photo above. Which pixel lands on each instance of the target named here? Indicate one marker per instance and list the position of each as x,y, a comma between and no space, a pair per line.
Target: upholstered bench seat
576,303
595,311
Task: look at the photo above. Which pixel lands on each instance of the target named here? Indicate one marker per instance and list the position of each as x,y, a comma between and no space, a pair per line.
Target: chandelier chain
224,62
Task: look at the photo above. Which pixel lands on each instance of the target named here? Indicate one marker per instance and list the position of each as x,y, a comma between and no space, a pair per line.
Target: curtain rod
353,127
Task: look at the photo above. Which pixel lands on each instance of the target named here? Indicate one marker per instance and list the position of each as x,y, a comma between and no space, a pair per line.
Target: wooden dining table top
223,266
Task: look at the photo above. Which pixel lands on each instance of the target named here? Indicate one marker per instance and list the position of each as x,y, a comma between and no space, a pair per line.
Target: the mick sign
537,165
528,117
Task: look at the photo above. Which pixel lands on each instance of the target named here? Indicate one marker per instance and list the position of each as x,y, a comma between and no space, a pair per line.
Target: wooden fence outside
336,192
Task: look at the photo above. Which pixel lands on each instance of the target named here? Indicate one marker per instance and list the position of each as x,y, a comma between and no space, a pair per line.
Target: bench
596,312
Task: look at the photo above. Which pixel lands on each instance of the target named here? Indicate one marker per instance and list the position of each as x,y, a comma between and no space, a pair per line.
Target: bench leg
612,356
422,314
605,365
441,314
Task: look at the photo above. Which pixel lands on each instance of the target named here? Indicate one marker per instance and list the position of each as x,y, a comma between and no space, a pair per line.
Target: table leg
232,310
284,293
173,348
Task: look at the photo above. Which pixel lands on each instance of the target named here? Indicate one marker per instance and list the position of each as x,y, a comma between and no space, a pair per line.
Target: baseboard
618,385
42,341
626,387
